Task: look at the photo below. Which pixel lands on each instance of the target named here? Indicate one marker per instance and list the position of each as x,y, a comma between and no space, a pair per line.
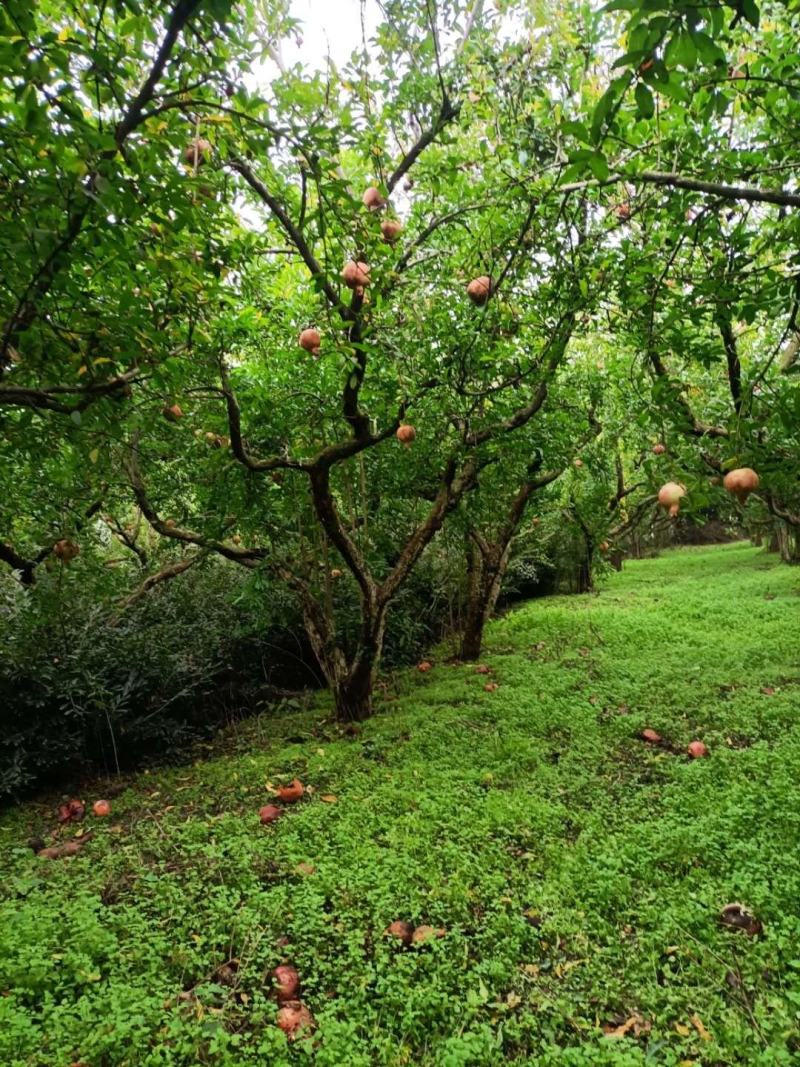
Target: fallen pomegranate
372,198
391,230
741,483
400,929
652,736
737,917
172,412
480,289
291,793
406,434
101,808
269,813
483,669
355,275
294,1019
287,982
424,667
310,340
697,750
659,449
336,573
490,687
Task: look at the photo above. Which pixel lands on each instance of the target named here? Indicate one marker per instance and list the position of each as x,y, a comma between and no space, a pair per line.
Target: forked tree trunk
486,570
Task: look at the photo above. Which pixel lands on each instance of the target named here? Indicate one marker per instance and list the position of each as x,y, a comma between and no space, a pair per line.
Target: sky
329,26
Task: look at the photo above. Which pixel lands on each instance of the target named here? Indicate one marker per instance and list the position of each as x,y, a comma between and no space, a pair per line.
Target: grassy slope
464,809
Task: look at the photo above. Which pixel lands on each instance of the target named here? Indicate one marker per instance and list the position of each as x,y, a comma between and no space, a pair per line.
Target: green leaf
644,100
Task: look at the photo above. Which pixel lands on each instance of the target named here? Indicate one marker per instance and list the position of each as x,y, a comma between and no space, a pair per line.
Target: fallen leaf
698,1025
684,1031
329,798
635,1025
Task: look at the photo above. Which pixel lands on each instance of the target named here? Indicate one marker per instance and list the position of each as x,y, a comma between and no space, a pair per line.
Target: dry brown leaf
329,798
635,1024
698,1025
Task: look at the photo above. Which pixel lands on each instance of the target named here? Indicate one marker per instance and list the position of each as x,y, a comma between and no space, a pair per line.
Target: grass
577,871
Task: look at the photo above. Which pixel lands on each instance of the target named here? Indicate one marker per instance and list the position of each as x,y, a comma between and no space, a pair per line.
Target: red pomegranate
66,550
391,230
400,929
172,412
670,495
101,808
292,792
424,667
269,813
197,152
355,274
659,449
310,340
480,289
697,750
741,483
652,736
490,687
604,546
372,198
406,434
287,982
294,1018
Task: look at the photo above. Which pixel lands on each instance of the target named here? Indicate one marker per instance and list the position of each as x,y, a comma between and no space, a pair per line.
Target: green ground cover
578,872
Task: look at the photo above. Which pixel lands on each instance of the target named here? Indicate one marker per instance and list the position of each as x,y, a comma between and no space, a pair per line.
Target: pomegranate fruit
310,340
480,289
490,687
652,736
269,813
604,546
170,524
373,199
670,495
287,982
77,809
292,792
424,667
66,550
697,750
741,483
391,230
577,463
336,573
355,274
737,917
659,449
294,1018
197,152
101,808
172,412
400,929
623,211
406,434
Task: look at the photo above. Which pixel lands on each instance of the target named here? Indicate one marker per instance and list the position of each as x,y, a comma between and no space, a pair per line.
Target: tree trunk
486,575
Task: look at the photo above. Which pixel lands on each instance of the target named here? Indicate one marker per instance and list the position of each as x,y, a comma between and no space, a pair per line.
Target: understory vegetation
573,873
